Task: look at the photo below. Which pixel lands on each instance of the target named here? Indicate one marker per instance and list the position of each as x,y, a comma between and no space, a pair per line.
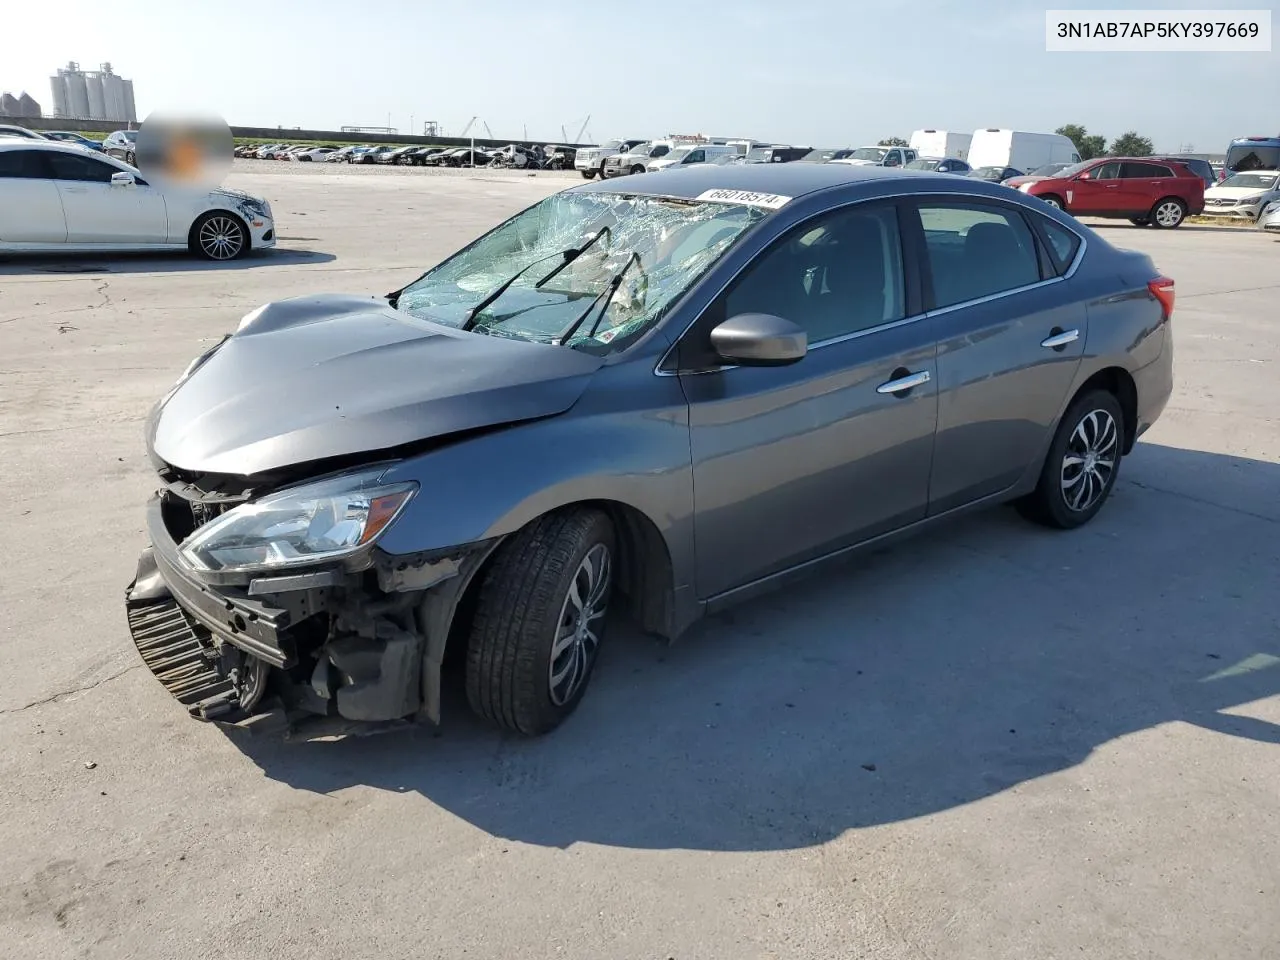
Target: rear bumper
1154,384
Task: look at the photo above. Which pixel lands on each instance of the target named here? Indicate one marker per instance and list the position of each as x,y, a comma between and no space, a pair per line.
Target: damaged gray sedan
654,396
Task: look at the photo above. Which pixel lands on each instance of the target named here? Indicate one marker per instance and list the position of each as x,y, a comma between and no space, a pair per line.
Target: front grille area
182,516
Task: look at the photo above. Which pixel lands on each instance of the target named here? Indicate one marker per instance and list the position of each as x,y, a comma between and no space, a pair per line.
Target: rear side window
1063,244
976,250
23,165
1136,170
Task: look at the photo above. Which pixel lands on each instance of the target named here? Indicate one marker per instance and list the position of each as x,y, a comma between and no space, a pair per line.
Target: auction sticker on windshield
770,201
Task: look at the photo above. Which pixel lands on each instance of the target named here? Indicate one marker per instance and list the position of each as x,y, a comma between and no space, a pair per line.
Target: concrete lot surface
995,743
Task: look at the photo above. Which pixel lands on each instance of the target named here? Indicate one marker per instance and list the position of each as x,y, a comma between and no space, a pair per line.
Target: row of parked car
549,157
1158,191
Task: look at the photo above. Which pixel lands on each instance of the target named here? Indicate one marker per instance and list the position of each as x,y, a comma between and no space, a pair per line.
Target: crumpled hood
316,377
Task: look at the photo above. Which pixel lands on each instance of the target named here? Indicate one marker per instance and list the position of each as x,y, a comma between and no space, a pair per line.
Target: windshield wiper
474,313
572,255
611,288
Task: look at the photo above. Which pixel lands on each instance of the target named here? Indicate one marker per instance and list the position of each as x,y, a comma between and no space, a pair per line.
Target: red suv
1145,191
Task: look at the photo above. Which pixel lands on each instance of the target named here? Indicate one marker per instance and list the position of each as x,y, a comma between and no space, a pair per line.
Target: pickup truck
880,157
590,160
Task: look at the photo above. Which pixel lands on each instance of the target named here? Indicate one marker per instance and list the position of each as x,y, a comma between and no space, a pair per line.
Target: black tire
1053,201
588,174
203,243
524,607
601,171
1168,213
1050,503
637,169
1140,221
131,158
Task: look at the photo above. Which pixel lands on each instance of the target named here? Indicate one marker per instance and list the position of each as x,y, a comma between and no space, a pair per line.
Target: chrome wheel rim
1053,203
578,629
1168,214
1090,460
220,238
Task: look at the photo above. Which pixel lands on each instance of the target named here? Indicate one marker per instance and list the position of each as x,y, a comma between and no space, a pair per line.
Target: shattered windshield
591,270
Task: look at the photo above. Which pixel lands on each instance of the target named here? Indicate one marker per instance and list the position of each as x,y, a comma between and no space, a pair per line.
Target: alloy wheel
220,238
1169,214
578,629
1053,203
1090,460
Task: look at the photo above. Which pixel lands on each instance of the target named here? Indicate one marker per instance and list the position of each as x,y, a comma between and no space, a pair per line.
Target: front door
30,207
1103,191
791,463
98,211
1009,342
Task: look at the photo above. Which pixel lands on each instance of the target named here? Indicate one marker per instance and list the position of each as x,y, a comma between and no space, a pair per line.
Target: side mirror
123,179
1084,176
759,340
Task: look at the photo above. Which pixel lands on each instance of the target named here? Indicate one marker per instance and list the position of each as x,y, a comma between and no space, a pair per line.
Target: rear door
1145,183
1010,339
98,211
30,206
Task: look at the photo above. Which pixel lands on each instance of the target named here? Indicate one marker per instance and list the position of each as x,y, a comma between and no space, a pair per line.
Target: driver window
660,151
1108,171
837,274
696,156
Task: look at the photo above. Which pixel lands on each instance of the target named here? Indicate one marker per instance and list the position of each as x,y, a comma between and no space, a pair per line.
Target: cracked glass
589,270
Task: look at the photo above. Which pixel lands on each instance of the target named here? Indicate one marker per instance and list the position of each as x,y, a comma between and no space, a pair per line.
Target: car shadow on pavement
175,262
924,677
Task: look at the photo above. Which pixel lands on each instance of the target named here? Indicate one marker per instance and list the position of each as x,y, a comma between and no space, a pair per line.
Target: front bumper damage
346,650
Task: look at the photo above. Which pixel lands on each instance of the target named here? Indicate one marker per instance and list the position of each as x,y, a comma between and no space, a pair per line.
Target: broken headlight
328,520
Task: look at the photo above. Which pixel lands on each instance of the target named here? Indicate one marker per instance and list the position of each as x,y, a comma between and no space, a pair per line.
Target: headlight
1254,199
257,207
303,525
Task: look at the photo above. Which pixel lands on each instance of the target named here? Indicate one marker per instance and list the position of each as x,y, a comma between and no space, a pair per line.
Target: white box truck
1018,149
937,144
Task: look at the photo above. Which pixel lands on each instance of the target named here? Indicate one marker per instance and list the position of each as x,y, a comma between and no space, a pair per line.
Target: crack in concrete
1201,500
54,698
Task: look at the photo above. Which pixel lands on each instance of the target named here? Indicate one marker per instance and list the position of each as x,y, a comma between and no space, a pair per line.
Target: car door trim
1022,208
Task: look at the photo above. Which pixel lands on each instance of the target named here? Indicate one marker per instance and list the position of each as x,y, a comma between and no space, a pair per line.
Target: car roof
782,179
19,143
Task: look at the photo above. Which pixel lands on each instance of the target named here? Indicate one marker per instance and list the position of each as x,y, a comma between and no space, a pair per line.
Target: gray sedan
653,396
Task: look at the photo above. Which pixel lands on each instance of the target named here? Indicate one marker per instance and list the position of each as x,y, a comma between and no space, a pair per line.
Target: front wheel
131,158
1140,221
1080,470
588,174
539,621
1052,201
637,169
219,236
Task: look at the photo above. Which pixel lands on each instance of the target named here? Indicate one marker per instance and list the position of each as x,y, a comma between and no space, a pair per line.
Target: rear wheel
588,174
1080,470
1140,221
539,621
637,169
1168,213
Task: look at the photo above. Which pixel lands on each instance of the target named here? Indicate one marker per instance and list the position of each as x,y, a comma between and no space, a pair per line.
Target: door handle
74,189
1059,339
1112,186
904,381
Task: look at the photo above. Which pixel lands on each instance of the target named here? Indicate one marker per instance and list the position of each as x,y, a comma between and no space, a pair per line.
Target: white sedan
60,197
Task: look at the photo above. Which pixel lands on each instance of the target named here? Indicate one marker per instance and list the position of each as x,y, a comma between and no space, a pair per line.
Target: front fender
626,442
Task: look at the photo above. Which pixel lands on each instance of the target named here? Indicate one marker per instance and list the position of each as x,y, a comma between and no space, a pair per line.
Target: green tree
1086,145
1129,144
892,142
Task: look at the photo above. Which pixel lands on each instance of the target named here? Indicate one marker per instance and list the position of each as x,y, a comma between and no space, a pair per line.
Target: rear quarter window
1062,244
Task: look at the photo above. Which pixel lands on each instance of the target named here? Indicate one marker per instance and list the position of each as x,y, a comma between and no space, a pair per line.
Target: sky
813,72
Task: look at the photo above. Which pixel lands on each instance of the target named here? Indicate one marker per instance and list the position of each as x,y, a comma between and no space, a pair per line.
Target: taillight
1162,289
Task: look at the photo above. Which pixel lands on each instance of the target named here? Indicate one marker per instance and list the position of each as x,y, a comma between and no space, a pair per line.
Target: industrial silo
8,105
59,91
27,106
93,88
77,92
130,112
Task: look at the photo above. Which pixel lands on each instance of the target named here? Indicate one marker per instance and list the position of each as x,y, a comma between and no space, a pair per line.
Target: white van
694,153
940,144
1018,149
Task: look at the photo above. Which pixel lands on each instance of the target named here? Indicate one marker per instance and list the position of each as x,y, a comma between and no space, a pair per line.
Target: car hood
312,378
1236,193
